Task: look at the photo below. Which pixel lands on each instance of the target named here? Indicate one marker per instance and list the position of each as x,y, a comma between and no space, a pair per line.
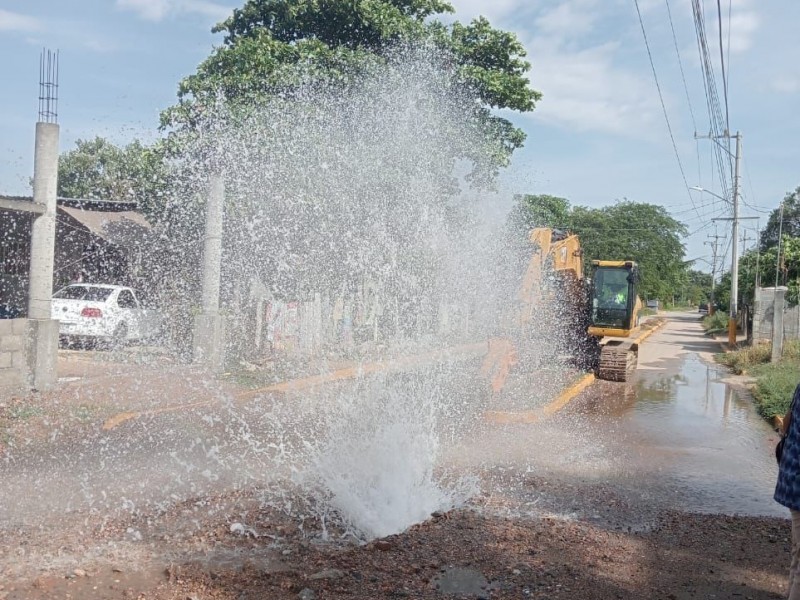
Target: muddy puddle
694,431
677,438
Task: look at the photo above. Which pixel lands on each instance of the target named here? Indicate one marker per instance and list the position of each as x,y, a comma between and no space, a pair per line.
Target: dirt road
626,493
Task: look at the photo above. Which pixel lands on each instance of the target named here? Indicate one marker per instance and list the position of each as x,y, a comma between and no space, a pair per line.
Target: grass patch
748,359
21,411
775,382
715,323
741,361
679,308
647,312
5,437
83,413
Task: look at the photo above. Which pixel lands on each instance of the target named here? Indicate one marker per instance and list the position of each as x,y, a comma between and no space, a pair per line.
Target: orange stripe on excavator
609,332
497,364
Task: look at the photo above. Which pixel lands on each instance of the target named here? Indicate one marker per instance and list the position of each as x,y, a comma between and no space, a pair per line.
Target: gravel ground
608,541
461,554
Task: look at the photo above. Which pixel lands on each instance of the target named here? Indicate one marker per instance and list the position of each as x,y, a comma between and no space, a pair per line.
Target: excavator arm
552,251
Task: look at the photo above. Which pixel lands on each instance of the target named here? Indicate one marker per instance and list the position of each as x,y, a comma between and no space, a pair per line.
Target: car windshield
83,292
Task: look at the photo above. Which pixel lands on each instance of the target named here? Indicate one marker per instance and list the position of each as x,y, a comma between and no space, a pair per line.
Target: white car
103,312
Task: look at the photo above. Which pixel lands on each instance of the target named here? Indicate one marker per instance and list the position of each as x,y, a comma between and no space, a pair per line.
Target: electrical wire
663,105
722,63
718,128
680,64
730,10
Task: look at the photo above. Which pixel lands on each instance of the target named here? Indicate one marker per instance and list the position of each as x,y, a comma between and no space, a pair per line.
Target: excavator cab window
614,293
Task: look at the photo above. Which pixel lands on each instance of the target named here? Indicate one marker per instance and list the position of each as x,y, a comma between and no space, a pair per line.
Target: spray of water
333,190
376,468
353,195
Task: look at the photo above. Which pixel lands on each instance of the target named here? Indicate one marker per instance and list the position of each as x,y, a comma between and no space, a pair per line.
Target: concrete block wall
14,374
763,314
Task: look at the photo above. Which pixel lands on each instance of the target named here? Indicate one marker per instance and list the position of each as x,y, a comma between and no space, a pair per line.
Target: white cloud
579,65
11,21
787,84
496,10
587,90
743,27
567,19
158,10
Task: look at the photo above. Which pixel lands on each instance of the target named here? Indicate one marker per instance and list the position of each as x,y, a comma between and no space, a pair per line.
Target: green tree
645,233
698,287
101,170
791,221
277,46
759,268
541,210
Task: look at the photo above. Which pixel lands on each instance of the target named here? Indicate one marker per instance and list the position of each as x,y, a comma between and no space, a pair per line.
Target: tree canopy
761,266
99,169
791,221
275,47
626,230
540,210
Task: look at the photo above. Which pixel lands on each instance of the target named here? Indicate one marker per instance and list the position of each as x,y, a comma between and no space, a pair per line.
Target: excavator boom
610,305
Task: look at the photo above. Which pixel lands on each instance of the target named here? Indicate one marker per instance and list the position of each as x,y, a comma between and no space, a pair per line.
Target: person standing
787,489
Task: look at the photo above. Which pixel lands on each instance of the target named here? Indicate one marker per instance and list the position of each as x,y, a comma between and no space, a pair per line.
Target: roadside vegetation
774,382
716,323
678,307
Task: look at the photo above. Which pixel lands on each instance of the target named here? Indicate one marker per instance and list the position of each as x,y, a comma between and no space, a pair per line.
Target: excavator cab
615,301
615,306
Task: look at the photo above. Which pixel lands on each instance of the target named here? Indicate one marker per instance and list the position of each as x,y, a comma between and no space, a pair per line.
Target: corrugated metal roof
123,228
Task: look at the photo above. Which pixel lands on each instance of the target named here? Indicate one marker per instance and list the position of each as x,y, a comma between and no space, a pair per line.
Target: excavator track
617,363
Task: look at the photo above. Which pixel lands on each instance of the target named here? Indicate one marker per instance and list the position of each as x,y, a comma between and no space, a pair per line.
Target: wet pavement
633,463
678,437
686,425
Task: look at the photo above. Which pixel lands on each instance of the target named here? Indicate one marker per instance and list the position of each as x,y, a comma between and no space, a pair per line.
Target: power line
663,106
717,124
680,64
722,63
730,9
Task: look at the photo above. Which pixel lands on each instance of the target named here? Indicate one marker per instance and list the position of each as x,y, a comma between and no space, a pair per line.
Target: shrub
716,322
742,360
774,387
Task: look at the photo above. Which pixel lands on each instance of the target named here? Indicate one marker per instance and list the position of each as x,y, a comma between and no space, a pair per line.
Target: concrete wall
762,317
14,373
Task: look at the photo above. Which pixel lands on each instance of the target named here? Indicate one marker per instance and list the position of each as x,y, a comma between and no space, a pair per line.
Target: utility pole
714,246
780,239
735,244
734,232
745,239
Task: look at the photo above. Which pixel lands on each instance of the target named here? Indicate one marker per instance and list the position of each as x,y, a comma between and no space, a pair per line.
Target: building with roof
96,241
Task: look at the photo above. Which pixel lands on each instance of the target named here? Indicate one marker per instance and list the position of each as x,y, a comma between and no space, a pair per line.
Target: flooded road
695,430
617,495
676,438
694,434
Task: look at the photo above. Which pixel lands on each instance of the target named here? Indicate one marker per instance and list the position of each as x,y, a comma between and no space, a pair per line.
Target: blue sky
598,134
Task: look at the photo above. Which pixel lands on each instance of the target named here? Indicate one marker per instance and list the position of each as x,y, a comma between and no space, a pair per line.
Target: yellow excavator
596,318
614,318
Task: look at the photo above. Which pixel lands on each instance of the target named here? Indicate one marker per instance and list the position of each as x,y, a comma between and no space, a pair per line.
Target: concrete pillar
212,248
209,326
41,350
777,323
43,234
42,338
